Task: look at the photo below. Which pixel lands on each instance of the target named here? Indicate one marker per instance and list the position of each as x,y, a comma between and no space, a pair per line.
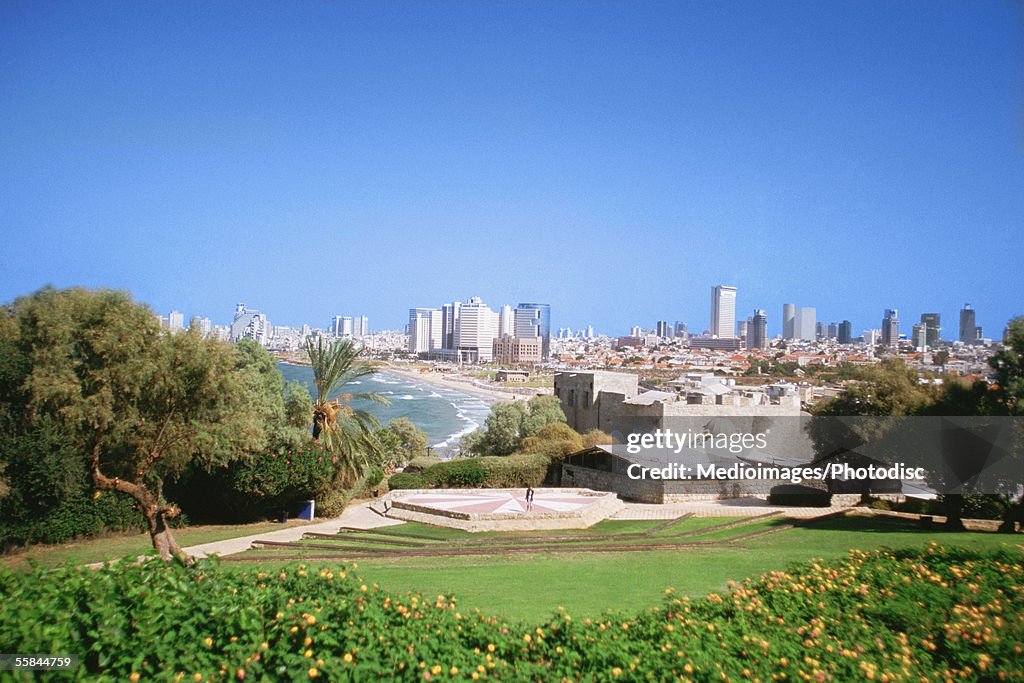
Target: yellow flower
527,638
436,669
490,647
313,673
310,619
616,671
453,671
134,677
208,642
348,657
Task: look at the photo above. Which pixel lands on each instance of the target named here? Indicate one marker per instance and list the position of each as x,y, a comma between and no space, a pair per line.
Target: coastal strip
457,383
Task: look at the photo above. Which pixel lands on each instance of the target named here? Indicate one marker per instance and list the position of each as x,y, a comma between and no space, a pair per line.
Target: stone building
612,402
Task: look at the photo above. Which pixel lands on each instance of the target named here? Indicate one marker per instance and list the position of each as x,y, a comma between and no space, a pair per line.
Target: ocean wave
405,397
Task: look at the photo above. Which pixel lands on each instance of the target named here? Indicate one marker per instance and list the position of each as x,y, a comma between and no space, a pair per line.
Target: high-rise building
723,312
175,321
475,331
203,325
449,318
788,321
360,327
833,331
681,331
845,332
506,321
743,328
250,324
534,320
636,331
968,325
933,328
757,330
871,337
420,329
919,336
820,330
664,329
891,327
805,323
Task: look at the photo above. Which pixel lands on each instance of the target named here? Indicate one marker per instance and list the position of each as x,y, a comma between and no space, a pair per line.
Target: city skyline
613,161
905,325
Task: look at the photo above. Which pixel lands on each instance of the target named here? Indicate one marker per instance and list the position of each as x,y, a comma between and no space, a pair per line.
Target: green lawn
115,547
533,586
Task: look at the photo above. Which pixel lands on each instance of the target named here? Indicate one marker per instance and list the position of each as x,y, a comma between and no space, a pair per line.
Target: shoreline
490,396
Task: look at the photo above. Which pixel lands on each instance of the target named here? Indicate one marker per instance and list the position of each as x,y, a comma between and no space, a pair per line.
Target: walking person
529,498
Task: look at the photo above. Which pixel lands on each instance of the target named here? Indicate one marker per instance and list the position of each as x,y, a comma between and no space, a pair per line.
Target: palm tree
344,430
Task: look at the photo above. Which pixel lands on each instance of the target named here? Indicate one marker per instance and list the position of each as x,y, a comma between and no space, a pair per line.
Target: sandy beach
460,383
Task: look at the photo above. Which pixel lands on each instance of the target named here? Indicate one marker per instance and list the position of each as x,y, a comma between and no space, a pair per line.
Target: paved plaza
499,501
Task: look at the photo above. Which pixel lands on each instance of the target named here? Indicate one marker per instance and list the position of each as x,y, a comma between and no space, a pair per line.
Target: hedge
498,472
931,614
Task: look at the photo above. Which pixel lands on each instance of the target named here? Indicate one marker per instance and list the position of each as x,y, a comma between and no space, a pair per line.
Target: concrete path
736,507
357,516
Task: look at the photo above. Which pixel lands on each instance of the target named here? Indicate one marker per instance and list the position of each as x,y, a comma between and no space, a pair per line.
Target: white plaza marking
510,506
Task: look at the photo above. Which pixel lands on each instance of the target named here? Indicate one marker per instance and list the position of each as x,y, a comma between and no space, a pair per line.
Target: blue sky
613,159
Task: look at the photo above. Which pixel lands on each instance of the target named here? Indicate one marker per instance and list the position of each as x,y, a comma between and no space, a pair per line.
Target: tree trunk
156,513
160,533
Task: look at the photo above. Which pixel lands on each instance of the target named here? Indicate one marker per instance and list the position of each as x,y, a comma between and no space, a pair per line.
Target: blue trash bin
306,509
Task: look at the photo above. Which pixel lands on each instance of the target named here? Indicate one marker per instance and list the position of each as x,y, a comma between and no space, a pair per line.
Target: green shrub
422,463
50,497
407,480
374,477
514,471
931,614
273,481
460,473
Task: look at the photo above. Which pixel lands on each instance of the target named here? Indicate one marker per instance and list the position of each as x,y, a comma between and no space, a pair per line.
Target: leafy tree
503,429
596,437
541,411
890,388
891,392
262,386
411,439
298,405
1008,364
510,423
346,431
141,405
555,440
941,358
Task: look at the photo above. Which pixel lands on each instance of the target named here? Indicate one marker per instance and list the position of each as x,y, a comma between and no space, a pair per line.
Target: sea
444,414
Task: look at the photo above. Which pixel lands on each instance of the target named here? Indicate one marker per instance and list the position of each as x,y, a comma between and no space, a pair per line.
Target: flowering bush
885,616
